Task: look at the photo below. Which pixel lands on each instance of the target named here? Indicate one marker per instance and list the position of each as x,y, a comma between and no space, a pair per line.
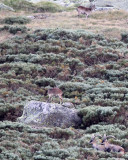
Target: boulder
118,4
49,115
104,8
66,3
5,7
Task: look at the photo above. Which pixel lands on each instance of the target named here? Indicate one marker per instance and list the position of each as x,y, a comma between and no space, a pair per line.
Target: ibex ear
93,136
104,137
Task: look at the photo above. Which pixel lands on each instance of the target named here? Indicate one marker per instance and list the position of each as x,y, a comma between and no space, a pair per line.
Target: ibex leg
61,99
49,99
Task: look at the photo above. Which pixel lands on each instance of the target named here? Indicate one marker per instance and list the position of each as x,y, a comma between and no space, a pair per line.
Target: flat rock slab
119,4
5,7
49,115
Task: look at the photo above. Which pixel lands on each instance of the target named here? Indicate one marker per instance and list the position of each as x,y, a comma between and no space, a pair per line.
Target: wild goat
55,92
85,10
95,145
111,147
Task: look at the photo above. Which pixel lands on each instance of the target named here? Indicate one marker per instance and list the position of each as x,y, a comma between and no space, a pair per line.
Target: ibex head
112,147
106,137
93,7
93,138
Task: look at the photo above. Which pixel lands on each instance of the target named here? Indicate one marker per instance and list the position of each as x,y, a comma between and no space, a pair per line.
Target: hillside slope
92,72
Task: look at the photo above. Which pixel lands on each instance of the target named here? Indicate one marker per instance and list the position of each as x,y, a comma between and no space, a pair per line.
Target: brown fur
85,10
54,92
112,147
95,145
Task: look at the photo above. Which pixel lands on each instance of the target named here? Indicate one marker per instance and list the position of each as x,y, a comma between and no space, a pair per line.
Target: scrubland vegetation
92,72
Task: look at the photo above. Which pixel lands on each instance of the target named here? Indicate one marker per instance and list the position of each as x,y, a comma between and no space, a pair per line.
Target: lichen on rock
49,115
5,7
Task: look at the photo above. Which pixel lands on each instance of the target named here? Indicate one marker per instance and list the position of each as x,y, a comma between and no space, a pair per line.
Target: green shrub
95,114
18,20
14,29
20,4
45,82
119,131
59,133
124,37
72,89
75,65
48,7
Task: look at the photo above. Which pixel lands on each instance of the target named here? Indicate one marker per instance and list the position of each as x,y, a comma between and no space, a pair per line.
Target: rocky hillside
120,4
66,2
92,72
37,5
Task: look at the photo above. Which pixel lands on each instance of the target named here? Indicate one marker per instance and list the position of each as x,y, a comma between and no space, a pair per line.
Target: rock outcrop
118,4
66,3
49,115
5,7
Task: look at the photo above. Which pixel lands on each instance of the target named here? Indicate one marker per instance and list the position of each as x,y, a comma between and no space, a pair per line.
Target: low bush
95,114
72,89
18,20
20,4
45,82
75,65
124,37
48,7
92,76
14,29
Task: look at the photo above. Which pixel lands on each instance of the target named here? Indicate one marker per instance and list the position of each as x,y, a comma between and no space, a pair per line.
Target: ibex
85,10
95,145
112,147
55,92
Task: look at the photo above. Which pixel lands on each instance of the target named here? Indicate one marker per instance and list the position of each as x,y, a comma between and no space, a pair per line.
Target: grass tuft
49,7
19,4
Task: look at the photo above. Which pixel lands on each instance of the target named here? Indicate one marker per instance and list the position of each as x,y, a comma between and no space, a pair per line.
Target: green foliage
45,82
72,89
45,6
14,29
18,20
20,4
51,153
115,129
95,114
124,37
74,64
91,72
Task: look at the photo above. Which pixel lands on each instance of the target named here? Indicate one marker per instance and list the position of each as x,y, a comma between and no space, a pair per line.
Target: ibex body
55,92
112,147
95,145
85,10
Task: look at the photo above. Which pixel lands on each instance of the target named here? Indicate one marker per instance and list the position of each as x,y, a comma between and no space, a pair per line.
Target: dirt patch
107,24
111,24
4,35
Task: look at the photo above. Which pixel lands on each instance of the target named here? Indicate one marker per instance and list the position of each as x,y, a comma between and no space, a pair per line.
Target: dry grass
108,23
4,36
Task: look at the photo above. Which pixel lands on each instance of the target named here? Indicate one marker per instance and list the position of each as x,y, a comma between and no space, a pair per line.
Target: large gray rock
49,115
120,4
67,3
5,7
104,8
